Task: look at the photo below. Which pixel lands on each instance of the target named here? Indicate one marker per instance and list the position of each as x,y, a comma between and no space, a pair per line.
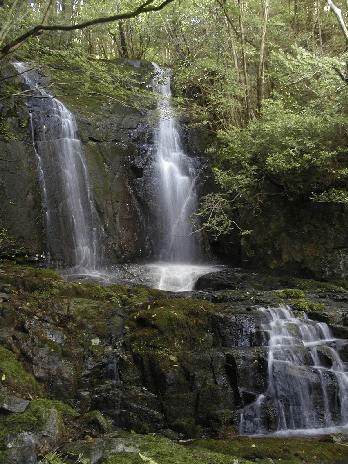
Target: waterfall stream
175,196
307,390
69,216
176,182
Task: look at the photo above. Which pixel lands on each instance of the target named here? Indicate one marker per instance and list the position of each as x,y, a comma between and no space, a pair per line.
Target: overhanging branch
40,28
331,6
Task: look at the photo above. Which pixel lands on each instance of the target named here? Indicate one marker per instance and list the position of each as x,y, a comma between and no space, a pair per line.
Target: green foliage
332,195
52,458
6,134
297,148
214,214
300,152
5,237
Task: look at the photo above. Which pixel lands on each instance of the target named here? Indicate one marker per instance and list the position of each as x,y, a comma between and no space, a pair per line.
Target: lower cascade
307,388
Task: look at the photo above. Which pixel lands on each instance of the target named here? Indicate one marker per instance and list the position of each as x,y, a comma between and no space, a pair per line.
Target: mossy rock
16,379
139,449
169,327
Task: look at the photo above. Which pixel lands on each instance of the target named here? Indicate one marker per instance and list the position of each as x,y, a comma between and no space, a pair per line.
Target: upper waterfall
176,191
70,219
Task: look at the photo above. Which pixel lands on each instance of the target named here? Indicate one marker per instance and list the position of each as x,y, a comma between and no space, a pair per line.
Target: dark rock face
304,238
174,364
20,204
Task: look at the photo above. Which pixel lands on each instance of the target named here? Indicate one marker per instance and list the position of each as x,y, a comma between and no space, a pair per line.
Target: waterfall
176,193
72,225
307,390
69,216
175,199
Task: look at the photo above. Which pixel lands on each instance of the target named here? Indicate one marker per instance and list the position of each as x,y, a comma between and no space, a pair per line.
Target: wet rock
243,329
12,404
94,451
22,449
226,279
52,431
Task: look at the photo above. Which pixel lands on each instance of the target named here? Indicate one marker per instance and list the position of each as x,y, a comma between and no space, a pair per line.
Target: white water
307,389
176,183
69,214
177,277
69,217
178,246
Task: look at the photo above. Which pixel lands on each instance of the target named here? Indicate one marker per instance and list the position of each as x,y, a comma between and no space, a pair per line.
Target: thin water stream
69,216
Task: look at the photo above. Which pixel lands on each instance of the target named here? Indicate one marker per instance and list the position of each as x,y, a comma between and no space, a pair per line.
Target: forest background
266,79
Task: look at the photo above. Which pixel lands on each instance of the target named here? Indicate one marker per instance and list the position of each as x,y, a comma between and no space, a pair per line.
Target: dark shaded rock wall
303,238
20,203
114,145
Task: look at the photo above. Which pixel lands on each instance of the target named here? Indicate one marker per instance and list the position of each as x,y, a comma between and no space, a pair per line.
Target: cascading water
307,389
176,182
69,215
175,197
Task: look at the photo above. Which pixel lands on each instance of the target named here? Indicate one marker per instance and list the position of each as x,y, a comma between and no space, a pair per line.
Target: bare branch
331,6
40,28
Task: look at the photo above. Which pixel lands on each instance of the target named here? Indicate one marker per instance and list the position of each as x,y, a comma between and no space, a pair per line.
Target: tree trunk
261,68
244,62
123,42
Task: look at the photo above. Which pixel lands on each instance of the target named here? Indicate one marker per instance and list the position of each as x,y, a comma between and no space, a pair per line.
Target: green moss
5,237
166,328
6,134
291,451
304,304
124,458
29,278
14,376
44,404
315,286
34,418
88,85
98,419
52,458
289,293
159,450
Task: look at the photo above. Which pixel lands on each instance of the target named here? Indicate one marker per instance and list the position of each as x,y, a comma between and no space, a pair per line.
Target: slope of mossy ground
42,294
152,449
